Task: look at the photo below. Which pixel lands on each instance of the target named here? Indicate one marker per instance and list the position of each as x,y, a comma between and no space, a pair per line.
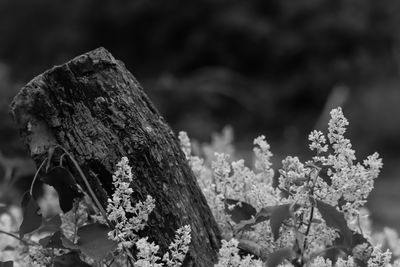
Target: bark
94,108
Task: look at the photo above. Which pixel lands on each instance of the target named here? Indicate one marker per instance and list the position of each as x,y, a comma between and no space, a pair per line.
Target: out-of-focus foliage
264,67
217,60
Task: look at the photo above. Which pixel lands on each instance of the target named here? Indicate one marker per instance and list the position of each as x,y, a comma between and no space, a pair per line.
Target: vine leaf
278,215
63,182
241,210
278,256
6,263
32,220
335,219
94,241
69,260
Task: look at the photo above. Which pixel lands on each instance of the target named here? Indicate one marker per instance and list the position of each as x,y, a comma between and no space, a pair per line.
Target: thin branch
16,237
92,194
36,175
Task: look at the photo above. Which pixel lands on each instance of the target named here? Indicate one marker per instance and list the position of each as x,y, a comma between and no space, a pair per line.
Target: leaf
335,219
6,263
241,211
63,182
245,225
277,257
69,260
51,225
249,247
32,220
357,239
94,241
69,244
58,240
263,215
278,215
323,173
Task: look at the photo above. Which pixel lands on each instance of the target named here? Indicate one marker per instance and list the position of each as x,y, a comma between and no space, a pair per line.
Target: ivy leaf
94,241
69,260
63,182
32,220
241,211
278,215
6,263
335,219
278,256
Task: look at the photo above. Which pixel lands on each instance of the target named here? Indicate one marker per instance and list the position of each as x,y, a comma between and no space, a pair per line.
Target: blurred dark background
264,67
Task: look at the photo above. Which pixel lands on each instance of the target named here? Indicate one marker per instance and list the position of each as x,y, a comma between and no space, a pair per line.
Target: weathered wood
94,108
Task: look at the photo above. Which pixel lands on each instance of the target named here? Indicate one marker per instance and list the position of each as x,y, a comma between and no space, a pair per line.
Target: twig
35,177
16,237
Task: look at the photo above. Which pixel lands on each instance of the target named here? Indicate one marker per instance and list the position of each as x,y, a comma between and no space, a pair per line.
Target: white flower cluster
229,257
147,252
178,248
224,179
332,176
125,227
128,220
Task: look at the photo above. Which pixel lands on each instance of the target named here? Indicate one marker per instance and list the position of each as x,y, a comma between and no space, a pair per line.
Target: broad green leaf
32,220
241,210
69,260
335,219
63,182
94,241
278,215
6,263
279,256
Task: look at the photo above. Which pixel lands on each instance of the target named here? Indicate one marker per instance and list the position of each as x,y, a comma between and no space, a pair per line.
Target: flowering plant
310,214
313,217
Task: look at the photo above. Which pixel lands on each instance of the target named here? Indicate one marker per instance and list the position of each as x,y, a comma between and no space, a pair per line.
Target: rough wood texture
94,108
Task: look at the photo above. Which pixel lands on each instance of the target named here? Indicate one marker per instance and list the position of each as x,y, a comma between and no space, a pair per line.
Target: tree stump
94,108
